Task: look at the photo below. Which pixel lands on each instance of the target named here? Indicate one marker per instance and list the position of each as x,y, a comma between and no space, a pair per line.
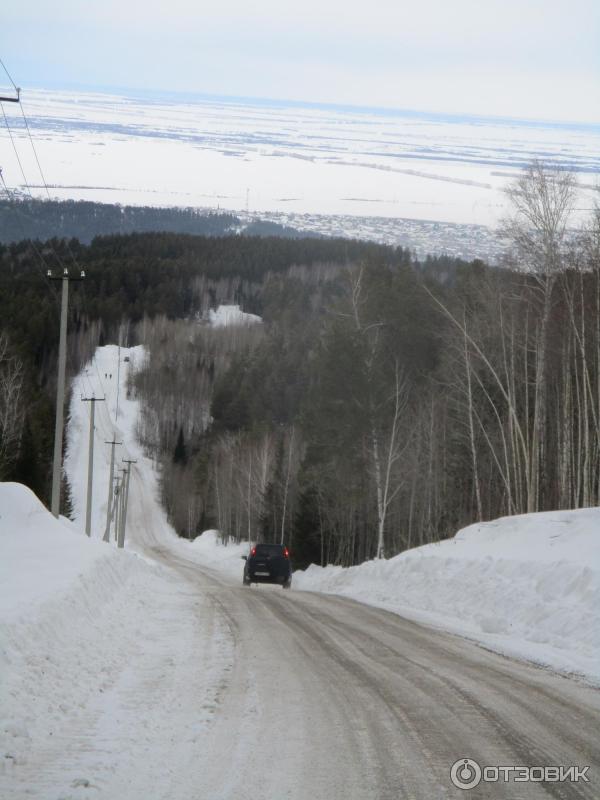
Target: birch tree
542,199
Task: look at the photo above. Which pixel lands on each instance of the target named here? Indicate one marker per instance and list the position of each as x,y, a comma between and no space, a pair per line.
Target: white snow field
150,673
346,171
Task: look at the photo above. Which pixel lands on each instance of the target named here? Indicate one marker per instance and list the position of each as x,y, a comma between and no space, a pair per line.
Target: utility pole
60,389
16,99
110,488
120,533
120,530
88,511
127,478
116,506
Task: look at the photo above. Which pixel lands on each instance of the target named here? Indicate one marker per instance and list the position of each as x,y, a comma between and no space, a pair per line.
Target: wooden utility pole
88,511
117,506
125,500
110,488
62,350
120,503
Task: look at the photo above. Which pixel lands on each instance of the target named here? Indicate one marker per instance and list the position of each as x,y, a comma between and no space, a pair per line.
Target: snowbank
526,586
40,555
231,315
72,610
209,551
88,632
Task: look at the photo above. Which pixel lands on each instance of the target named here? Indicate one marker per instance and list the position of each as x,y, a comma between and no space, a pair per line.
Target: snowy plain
400,177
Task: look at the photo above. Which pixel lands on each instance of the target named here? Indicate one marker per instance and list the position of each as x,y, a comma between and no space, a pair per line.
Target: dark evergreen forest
382,402
84,220
129,278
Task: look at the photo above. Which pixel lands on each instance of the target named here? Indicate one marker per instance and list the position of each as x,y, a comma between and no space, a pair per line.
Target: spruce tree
180,455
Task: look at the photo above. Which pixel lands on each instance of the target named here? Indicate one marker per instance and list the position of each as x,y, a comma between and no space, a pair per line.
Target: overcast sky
521,58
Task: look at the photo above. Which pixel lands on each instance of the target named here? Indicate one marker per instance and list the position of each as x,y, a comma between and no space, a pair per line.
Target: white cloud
486,56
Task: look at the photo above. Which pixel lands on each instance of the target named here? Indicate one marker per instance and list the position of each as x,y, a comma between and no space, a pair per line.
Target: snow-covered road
154,675
227,693
328,698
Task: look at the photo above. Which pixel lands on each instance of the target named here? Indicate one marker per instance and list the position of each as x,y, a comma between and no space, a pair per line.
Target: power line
44,269
12,141
37,160
34,150
42,176
88,513
15,87
63,350
52,249
112,443
95,363
25,181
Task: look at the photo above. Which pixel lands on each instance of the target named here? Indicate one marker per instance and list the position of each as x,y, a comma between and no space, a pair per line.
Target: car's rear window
268,550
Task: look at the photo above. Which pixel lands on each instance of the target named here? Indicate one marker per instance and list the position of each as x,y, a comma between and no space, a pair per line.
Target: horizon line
192,95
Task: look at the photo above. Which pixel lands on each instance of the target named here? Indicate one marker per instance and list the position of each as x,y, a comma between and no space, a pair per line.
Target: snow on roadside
209,551
98,646
526,586
58,590
41,556
105,376
86,632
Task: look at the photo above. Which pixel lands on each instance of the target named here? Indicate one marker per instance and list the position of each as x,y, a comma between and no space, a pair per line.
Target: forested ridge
381,403
128,278
30,218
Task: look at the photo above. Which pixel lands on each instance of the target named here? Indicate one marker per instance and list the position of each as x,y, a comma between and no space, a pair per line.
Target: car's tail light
253,552
286,552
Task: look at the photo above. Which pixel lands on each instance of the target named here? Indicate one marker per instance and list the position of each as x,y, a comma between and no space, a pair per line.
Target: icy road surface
328,698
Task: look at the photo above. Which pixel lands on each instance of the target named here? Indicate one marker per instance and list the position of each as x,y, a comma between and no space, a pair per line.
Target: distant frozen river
288,158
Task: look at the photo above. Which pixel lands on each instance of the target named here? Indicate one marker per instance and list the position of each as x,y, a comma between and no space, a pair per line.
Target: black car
268,563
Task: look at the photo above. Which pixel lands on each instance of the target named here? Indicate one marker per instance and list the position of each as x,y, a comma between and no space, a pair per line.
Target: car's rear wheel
287,584
246,581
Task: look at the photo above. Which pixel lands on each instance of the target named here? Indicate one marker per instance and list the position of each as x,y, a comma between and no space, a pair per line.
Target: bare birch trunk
474,463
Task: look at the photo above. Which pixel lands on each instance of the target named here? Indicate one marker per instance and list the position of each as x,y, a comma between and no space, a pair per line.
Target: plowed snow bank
527,586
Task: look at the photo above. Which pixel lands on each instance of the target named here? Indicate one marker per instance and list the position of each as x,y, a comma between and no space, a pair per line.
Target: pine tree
28,469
